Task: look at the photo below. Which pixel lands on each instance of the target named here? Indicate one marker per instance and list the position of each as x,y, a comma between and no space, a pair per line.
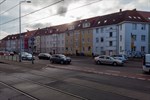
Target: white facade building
125,32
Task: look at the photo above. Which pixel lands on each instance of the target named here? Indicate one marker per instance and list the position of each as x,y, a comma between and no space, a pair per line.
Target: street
81,80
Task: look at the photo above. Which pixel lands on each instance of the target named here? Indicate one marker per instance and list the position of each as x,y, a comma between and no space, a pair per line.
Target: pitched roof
109,19
145,14
115,18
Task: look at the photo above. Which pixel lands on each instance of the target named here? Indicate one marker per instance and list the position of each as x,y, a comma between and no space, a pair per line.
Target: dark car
45,56
59,58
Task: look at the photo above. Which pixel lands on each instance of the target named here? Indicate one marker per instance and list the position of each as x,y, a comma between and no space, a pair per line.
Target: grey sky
55,14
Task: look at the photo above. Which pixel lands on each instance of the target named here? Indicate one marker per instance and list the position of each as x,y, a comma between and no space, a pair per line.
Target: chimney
134,9
120,10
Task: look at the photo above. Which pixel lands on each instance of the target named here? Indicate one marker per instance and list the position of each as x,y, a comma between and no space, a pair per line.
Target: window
120,37
88,39
68,33
110,34
134,26
134,48
120,48
143,48
89,48
102,39
102,30
121,27
143,27
83,48
76,43
102,57
96,49
87,24
82,40
97,30
97,40
110,43
142,37
134,37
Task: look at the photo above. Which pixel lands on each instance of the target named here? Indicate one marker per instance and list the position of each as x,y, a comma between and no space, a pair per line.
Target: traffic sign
32,39
32,43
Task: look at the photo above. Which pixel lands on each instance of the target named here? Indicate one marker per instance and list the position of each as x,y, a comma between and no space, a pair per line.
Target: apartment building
79,37
124,32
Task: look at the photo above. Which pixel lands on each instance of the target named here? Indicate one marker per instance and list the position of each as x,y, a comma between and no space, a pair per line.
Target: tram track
19,91
49,87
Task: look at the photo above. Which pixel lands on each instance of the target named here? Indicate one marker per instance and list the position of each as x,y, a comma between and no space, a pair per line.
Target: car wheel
98,62
115,64
61,62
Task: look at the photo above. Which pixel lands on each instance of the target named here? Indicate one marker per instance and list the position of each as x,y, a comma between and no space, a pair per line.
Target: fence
9,57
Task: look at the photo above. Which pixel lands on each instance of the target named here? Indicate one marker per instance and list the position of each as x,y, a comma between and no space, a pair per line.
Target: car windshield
111,58
62,56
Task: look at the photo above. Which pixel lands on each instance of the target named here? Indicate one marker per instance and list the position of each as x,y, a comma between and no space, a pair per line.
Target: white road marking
141,78
113,71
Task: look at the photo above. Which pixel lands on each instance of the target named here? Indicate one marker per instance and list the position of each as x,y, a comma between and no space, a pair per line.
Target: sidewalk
27,64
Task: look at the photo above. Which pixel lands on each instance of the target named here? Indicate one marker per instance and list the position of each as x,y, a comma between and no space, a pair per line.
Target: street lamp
20,26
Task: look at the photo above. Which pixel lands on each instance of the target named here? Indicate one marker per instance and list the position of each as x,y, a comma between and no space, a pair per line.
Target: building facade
124,32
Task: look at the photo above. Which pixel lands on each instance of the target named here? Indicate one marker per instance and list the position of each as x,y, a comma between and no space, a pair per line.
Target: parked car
124,58
11,53
2,53
46,56
26,56
146,63
59,58
104,59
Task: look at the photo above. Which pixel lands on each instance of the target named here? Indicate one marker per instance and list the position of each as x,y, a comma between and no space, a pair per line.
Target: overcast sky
45,13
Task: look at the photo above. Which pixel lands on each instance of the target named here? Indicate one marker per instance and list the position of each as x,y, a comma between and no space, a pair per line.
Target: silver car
104,59
26,56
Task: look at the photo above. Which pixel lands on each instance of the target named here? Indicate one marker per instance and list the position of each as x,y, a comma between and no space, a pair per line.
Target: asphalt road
82,80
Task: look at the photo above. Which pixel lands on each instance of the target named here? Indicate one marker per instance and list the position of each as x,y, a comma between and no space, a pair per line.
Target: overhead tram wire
31,12
60,13
65,12
9,9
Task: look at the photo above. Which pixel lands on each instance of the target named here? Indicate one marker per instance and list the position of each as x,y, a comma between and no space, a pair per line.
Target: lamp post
20,26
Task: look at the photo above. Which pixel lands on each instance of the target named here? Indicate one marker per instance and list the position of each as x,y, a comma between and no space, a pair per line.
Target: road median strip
105,72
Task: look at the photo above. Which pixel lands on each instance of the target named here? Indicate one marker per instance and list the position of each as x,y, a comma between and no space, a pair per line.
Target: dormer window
130,17
134,17
50,31
87,24
139,17
79,25
71,27
105,21
99,22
